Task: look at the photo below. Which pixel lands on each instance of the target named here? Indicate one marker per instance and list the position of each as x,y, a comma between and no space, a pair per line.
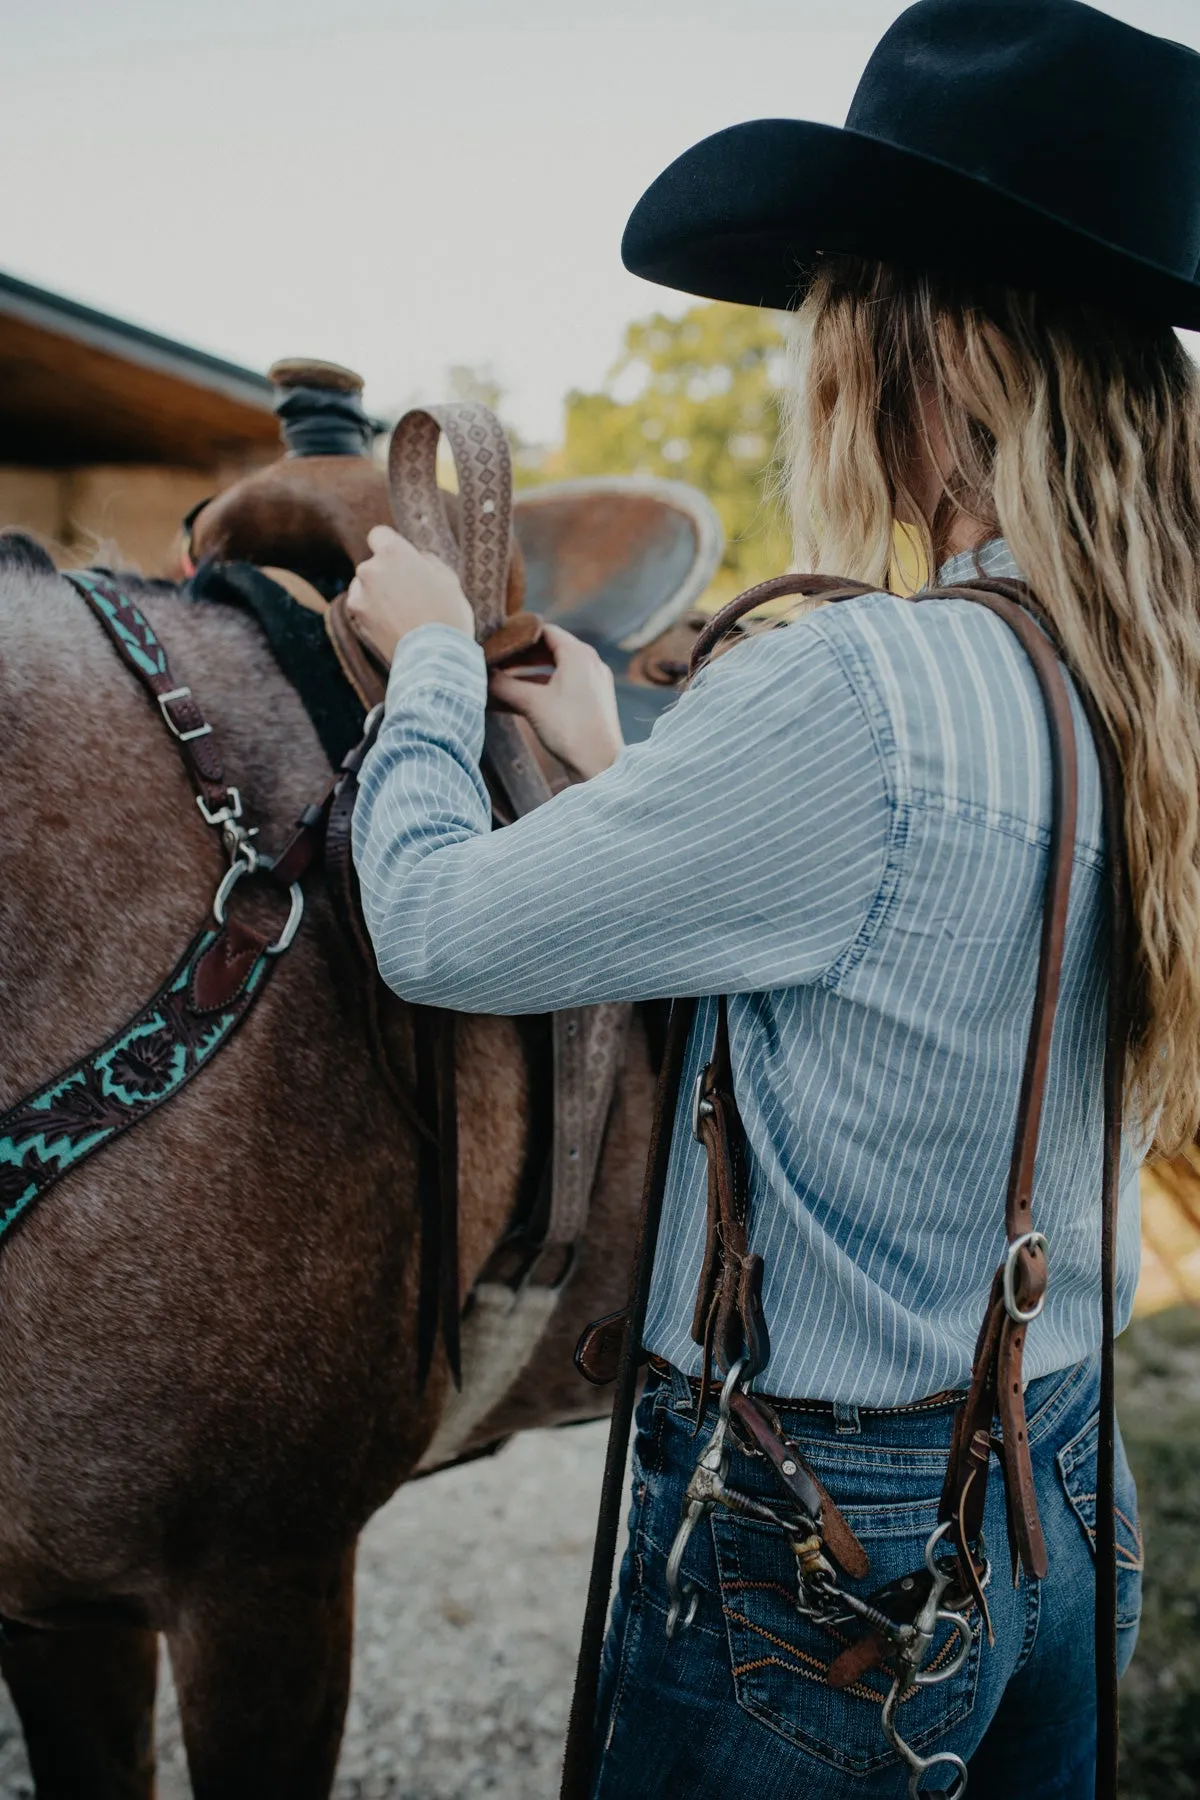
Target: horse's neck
109,868
272,753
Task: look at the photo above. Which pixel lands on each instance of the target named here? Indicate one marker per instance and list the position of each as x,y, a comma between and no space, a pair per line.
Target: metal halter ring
1028,1240
229,881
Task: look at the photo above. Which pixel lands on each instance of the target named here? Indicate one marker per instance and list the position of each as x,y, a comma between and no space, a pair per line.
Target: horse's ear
23,554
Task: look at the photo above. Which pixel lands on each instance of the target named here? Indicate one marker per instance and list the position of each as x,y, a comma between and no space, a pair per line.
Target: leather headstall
728,1322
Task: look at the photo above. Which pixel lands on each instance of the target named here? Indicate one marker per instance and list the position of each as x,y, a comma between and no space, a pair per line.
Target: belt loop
681,1391
846,1420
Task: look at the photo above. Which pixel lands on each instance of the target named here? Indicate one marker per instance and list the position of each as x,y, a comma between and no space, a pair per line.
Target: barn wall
122,514
33,499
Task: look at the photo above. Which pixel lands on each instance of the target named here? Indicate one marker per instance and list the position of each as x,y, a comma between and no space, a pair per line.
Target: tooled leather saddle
620,562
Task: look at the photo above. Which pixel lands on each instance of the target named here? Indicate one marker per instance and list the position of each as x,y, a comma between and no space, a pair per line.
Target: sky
397,186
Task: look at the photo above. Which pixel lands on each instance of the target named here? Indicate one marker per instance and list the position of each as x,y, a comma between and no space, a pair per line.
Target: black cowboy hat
1032,143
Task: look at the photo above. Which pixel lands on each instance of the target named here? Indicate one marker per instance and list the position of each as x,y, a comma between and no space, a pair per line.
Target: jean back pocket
781,1659
1077,1469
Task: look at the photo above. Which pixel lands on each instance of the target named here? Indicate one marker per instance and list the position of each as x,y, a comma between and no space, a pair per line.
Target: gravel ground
485,1567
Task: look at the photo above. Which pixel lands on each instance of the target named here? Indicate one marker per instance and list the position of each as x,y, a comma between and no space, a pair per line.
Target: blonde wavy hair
1076,435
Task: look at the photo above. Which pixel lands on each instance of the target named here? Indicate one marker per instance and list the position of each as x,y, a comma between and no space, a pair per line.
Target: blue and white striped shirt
842,825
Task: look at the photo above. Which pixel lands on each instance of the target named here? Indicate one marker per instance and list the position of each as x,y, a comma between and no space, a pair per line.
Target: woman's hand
399,588
575,712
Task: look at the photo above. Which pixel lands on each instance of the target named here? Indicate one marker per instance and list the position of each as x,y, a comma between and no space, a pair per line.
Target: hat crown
1054,103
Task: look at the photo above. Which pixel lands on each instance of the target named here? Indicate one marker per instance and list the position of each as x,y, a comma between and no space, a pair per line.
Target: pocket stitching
957,1706
1076,1454
859,1689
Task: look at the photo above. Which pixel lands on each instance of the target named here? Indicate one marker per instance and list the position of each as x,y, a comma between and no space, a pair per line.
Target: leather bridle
728,1321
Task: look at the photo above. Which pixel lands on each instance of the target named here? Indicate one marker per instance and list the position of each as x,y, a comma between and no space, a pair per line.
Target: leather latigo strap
484,468
587,1041
1019,1286
728,1320
361,668
479,554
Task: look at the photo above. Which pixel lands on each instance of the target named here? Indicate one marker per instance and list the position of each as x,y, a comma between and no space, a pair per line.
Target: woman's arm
740,848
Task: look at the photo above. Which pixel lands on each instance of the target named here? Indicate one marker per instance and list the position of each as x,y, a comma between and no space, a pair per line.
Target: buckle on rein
819,1596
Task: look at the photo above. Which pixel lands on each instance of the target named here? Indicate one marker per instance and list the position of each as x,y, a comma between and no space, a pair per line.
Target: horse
208,1356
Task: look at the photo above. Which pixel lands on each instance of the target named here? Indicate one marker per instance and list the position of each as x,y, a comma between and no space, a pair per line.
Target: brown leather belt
786,1403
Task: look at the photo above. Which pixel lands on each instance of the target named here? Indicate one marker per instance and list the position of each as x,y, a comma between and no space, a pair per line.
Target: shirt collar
994,558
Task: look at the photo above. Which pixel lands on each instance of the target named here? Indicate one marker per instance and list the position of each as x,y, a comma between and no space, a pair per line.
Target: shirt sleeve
739,848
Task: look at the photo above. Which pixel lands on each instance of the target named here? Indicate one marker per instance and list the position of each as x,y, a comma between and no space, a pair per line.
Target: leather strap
426,1103
146,1062
777,587
587,1041
363,672
1117,1039
480,553
203,1000
139,648
728,1321
577,1759
996,1382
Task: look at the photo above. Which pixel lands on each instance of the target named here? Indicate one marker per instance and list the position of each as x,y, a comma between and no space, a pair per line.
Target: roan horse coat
207,1341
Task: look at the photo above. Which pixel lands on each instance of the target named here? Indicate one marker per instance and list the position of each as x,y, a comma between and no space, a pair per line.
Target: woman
843,827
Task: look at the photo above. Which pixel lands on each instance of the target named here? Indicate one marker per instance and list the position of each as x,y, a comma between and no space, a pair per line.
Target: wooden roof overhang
78,386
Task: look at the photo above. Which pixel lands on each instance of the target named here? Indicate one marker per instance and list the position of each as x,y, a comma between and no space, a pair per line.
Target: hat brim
744,215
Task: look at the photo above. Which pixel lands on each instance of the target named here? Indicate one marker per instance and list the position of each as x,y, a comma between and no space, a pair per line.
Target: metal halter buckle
185,737
220,815
1028,1240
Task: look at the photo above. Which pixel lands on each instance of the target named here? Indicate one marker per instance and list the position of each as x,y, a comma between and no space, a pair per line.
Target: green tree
696,399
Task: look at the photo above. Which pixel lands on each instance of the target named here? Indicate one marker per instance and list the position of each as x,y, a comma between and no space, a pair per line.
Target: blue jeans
738,1705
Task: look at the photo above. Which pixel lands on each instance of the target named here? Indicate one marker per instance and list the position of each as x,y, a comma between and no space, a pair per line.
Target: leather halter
728,1319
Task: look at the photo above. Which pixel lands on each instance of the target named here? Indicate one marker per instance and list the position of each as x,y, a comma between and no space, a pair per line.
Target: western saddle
619,561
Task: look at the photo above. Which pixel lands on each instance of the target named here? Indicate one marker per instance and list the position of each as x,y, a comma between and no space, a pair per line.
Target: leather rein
729,1322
